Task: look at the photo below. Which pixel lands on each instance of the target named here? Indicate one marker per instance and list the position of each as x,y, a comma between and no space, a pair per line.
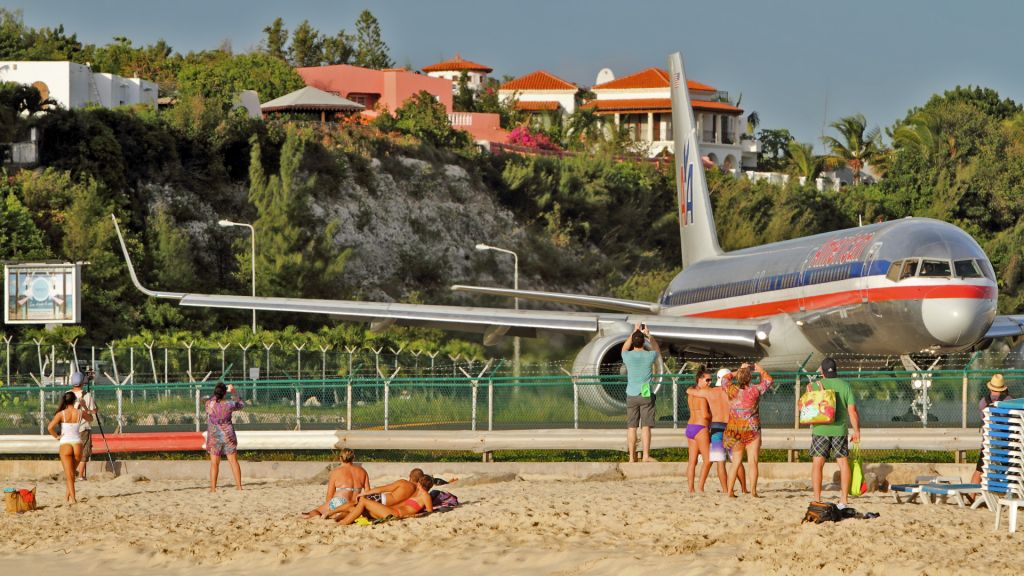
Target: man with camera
87,405
639,364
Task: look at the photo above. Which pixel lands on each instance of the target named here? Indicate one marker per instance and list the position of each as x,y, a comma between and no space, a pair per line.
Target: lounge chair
913,491
945,491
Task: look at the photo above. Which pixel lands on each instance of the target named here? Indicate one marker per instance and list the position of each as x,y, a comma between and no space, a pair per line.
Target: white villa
452,70
540,91
73,85
642,101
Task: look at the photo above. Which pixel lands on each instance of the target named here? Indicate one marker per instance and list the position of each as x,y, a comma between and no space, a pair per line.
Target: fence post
490,404
7,341
42,413
675,402
387,392
131,374
474,382
197,407
791,454
575,399
298,385
152,366
963,407
268,376
348,389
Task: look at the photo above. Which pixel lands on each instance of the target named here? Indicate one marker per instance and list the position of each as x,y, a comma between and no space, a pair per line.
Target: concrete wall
198,470
565,98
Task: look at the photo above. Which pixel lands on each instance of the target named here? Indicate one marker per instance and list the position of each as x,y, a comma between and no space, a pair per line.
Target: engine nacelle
603,356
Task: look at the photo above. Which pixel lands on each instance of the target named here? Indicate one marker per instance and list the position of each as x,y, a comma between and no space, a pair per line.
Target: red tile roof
539,80
537,106
655,105
649,78
457,63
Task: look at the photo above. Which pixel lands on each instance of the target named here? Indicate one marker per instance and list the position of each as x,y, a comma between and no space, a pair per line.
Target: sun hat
721,374
996,384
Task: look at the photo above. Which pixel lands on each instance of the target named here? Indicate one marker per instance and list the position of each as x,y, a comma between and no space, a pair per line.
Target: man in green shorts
829,440
639,364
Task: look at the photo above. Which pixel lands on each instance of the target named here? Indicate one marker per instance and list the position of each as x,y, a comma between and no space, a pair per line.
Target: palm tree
802,162
584,126
858,147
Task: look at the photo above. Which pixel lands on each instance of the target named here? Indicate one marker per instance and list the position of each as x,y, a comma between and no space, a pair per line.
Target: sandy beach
507,525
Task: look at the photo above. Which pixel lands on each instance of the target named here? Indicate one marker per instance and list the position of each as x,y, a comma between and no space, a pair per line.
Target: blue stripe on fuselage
821,275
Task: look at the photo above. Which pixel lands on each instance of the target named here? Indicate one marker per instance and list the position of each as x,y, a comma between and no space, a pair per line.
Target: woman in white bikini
69,438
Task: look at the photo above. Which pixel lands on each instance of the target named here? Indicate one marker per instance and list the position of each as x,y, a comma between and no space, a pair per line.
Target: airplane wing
708,333
1006,326
600,302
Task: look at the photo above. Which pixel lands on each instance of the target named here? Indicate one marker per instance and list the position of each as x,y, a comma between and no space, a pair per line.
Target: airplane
905,288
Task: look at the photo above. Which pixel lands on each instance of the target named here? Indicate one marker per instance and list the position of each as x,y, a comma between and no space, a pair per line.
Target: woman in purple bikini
220,432
698,436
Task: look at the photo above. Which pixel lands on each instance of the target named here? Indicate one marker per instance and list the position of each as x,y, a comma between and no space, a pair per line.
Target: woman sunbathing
410,506
397,491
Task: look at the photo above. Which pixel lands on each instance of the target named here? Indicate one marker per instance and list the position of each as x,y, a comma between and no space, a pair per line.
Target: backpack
821,512
442,499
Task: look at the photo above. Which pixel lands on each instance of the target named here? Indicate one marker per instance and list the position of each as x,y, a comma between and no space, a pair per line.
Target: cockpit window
934,269
909,269
986,269
967,269
894,271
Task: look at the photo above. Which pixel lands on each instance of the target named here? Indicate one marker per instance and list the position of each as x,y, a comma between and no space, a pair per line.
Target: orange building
388,89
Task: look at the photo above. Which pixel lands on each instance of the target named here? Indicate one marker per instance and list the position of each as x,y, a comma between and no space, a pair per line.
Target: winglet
131,270
696,222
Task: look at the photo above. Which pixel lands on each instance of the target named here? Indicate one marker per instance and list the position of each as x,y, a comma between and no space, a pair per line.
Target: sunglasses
706,379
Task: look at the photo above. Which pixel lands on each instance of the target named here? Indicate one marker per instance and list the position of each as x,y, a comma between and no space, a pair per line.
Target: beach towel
818,406
858,484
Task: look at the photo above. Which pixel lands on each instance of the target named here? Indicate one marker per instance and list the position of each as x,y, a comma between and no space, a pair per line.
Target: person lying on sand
397,491
343,486
411,506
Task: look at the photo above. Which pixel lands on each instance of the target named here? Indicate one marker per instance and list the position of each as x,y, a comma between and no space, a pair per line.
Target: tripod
89,385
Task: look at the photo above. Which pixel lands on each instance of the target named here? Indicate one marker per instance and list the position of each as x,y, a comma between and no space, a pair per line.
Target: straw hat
996,384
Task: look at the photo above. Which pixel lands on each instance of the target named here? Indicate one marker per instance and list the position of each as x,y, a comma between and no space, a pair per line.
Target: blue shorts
718,453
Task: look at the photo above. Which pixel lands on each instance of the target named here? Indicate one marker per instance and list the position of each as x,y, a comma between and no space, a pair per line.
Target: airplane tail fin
697,232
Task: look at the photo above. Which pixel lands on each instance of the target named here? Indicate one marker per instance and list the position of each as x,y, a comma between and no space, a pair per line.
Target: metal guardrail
944,439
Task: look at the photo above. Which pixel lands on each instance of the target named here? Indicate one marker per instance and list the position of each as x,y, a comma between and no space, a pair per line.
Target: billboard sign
42,293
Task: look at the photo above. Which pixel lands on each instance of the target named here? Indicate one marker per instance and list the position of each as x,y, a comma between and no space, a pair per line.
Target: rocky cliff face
415,229
412,227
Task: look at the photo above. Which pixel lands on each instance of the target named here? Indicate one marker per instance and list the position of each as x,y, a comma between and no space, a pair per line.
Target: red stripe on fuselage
848,297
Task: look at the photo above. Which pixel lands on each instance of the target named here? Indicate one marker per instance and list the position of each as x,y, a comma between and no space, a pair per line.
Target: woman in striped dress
220,432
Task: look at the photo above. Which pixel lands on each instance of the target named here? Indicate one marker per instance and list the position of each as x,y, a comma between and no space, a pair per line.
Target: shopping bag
18,501
858,484
818,406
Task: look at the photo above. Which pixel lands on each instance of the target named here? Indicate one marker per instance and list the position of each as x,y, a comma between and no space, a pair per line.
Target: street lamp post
515,285
252,235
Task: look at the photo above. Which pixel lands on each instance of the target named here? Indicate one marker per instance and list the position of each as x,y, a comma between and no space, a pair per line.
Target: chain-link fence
149,389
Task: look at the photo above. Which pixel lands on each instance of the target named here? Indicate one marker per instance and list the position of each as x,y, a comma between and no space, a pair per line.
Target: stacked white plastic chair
1003,449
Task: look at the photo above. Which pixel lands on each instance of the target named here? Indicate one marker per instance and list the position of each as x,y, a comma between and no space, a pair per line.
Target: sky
799,64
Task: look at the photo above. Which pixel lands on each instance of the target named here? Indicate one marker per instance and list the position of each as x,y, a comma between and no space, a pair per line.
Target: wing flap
600,302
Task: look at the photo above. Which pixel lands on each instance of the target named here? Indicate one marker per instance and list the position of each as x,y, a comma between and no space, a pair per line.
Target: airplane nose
958,321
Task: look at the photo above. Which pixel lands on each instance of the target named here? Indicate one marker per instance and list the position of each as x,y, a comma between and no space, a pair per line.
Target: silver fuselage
838,292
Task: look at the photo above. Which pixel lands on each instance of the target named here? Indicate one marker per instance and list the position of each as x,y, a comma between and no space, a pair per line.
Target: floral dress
220,432
744,419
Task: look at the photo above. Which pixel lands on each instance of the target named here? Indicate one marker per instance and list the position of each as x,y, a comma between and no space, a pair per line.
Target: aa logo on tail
686,188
